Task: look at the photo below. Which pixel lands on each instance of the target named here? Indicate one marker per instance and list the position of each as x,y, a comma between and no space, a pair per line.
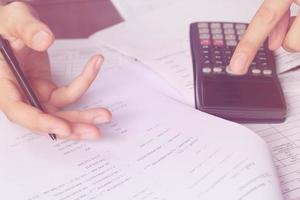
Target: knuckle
17,6
9,115
40,124
297,2
18,10
247,46
266,15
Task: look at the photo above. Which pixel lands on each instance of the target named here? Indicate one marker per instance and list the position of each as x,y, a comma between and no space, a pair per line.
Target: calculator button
205,43
229,31
267,72
217,36
215,25
216,31
231,42
206,62
203,46
204,36
253,64
240,26
217,69
240,31
227,25
202,25
264,64
203,30
206,70
217,52
230,37
206,51
219,43
263,59
256,71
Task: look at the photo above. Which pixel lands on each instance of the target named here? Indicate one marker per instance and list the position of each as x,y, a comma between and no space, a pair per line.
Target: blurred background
76,18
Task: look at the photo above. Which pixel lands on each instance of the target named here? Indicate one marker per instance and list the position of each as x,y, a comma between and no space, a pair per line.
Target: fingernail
40,39
101,119
238,64
60,132
98,64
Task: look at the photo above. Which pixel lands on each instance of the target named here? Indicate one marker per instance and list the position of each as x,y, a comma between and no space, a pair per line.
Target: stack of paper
168,27
155,148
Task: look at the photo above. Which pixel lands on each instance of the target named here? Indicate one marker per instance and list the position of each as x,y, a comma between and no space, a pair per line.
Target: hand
30,38
273,20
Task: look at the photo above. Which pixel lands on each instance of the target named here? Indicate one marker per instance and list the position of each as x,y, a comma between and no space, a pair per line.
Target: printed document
155,148
130,9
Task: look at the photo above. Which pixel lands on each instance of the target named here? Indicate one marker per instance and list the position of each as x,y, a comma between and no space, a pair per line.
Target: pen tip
53,136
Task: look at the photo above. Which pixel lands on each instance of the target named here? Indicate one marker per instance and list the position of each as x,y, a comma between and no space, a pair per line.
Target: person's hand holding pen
272,19
30,39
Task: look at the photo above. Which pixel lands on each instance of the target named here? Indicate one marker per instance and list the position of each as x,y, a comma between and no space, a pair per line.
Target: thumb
20,23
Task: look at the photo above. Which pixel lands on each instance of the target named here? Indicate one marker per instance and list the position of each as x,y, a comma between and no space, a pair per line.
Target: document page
155,148
284,142
68,58
286,61
130,9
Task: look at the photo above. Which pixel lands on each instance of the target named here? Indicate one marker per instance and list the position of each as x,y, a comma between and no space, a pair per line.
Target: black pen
13,63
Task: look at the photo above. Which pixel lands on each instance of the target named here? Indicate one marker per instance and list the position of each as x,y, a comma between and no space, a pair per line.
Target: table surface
76,18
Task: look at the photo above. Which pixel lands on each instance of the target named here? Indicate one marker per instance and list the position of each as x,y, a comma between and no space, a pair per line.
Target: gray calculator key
267,72
204,36
217,69
231,42
203,30
256,71
206,70
216,31
202,25
230,37
215,25
217,36
229,31
240,26
240,31
227,25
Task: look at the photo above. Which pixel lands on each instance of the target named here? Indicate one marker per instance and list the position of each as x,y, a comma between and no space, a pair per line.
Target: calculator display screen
240,93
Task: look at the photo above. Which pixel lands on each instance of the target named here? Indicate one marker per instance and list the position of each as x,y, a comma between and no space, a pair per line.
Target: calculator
255,97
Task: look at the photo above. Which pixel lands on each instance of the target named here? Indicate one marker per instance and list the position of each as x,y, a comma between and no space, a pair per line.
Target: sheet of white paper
290,81
155,148
160,39
70,56
286,61
130,9
284,142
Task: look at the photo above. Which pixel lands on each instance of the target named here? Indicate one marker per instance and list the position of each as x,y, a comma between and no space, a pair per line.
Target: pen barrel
20,77
13,63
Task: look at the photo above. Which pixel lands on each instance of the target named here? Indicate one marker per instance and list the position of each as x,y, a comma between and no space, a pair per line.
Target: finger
71,93
27,116
24,26
92,116
261,25
292,39
277,35
33,119
83,132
